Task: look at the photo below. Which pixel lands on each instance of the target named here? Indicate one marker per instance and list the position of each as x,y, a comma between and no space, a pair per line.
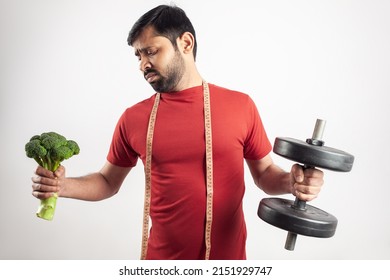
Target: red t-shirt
178,195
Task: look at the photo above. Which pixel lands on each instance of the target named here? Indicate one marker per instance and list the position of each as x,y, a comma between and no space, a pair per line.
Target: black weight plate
310,222
311,155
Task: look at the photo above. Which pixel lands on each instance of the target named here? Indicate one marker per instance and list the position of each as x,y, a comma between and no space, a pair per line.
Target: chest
179,133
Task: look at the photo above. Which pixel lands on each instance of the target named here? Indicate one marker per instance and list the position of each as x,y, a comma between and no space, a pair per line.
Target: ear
186,42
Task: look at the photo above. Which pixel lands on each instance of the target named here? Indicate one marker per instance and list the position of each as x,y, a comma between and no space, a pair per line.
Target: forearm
269,177
304,184
92,187
274,181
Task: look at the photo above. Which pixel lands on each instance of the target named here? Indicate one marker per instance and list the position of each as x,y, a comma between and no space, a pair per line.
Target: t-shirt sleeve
257,144
121,153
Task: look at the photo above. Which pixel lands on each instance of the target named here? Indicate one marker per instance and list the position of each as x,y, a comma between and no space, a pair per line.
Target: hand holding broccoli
49,149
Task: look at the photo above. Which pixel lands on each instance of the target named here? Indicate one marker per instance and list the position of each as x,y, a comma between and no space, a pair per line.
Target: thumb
297,173
60,172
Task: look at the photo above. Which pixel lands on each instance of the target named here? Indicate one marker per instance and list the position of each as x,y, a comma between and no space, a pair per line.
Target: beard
168,81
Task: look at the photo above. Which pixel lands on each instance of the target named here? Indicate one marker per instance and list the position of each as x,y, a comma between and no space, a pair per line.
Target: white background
66,66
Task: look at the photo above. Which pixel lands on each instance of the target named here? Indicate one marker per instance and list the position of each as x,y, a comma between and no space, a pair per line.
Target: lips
150,76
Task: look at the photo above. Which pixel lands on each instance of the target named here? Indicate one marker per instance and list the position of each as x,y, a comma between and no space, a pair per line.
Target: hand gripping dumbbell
297,217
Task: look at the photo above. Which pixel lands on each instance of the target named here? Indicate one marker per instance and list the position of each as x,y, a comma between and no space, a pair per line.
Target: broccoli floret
35,150
35,137
59,154
74,147
49,149
52,140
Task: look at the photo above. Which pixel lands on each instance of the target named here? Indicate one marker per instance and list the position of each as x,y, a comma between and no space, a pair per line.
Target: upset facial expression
160,62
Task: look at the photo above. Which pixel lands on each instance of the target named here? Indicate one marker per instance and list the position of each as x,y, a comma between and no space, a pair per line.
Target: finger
313,173
42,195
311,183
307,189
45,188
42,185
45,181
44,172
304,196
313,177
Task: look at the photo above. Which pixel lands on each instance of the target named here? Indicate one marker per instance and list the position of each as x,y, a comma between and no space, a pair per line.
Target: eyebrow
142,50
137,52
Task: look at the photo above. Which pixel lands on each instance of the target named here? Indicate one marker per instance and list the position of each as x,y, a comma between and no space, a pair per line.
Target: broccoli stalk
49,149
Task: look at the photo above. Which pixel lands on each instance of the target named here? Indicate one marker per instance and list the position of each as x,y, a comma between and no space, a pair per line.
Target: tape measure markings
209,173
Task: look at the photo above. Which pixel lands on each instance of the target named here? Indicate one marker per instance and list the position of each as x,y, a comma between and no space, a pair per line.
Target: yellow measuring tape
148,177
209,173
209,168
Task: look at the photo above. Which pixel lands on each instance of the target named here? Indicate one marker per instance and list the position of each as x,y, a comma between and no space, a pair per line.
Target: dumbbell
297,217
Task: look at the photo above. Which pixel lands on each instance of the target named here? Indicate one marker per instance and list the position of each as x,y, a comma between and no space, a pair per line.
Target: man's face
160,62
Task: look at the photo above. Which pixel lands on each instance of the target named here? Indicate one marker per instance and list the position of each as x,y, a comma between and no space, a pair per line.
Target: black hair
168,21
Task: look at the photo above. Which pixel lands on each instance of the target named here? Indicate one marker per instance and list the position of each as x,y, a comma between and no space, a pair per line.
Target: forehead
149,38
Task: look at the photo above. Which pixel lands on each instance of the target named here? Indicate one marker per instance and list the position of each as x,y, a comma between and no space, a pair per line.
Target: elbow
113,190
110,188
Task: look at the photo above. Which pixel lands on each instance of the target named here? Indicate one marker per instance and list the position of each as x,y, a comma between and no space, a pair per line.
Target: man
183,226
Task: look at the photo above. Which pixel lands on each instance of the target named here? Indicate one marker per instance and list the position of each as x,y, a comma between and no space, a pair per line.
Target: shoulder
137,114
230,95
140,108
220,89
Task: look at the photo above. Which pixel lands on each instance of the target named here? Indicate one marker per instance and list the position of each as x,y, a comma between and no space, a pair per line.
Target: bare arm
92,187
305,184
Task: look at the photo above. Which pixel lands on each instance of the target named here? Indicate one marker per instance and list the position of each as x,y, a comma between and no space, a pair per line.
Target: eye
151,52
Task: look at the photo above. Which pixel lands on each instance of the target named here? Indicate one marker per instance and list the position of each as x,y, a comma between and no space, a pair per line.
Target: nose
144,63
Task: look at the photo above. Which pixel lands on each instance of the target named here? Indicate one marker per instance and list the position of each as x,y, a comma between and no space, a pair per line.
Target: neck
192,79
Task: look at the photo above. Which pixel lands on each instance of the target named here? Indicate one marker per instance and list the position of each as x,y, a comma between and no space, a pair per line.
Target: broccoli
49,149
